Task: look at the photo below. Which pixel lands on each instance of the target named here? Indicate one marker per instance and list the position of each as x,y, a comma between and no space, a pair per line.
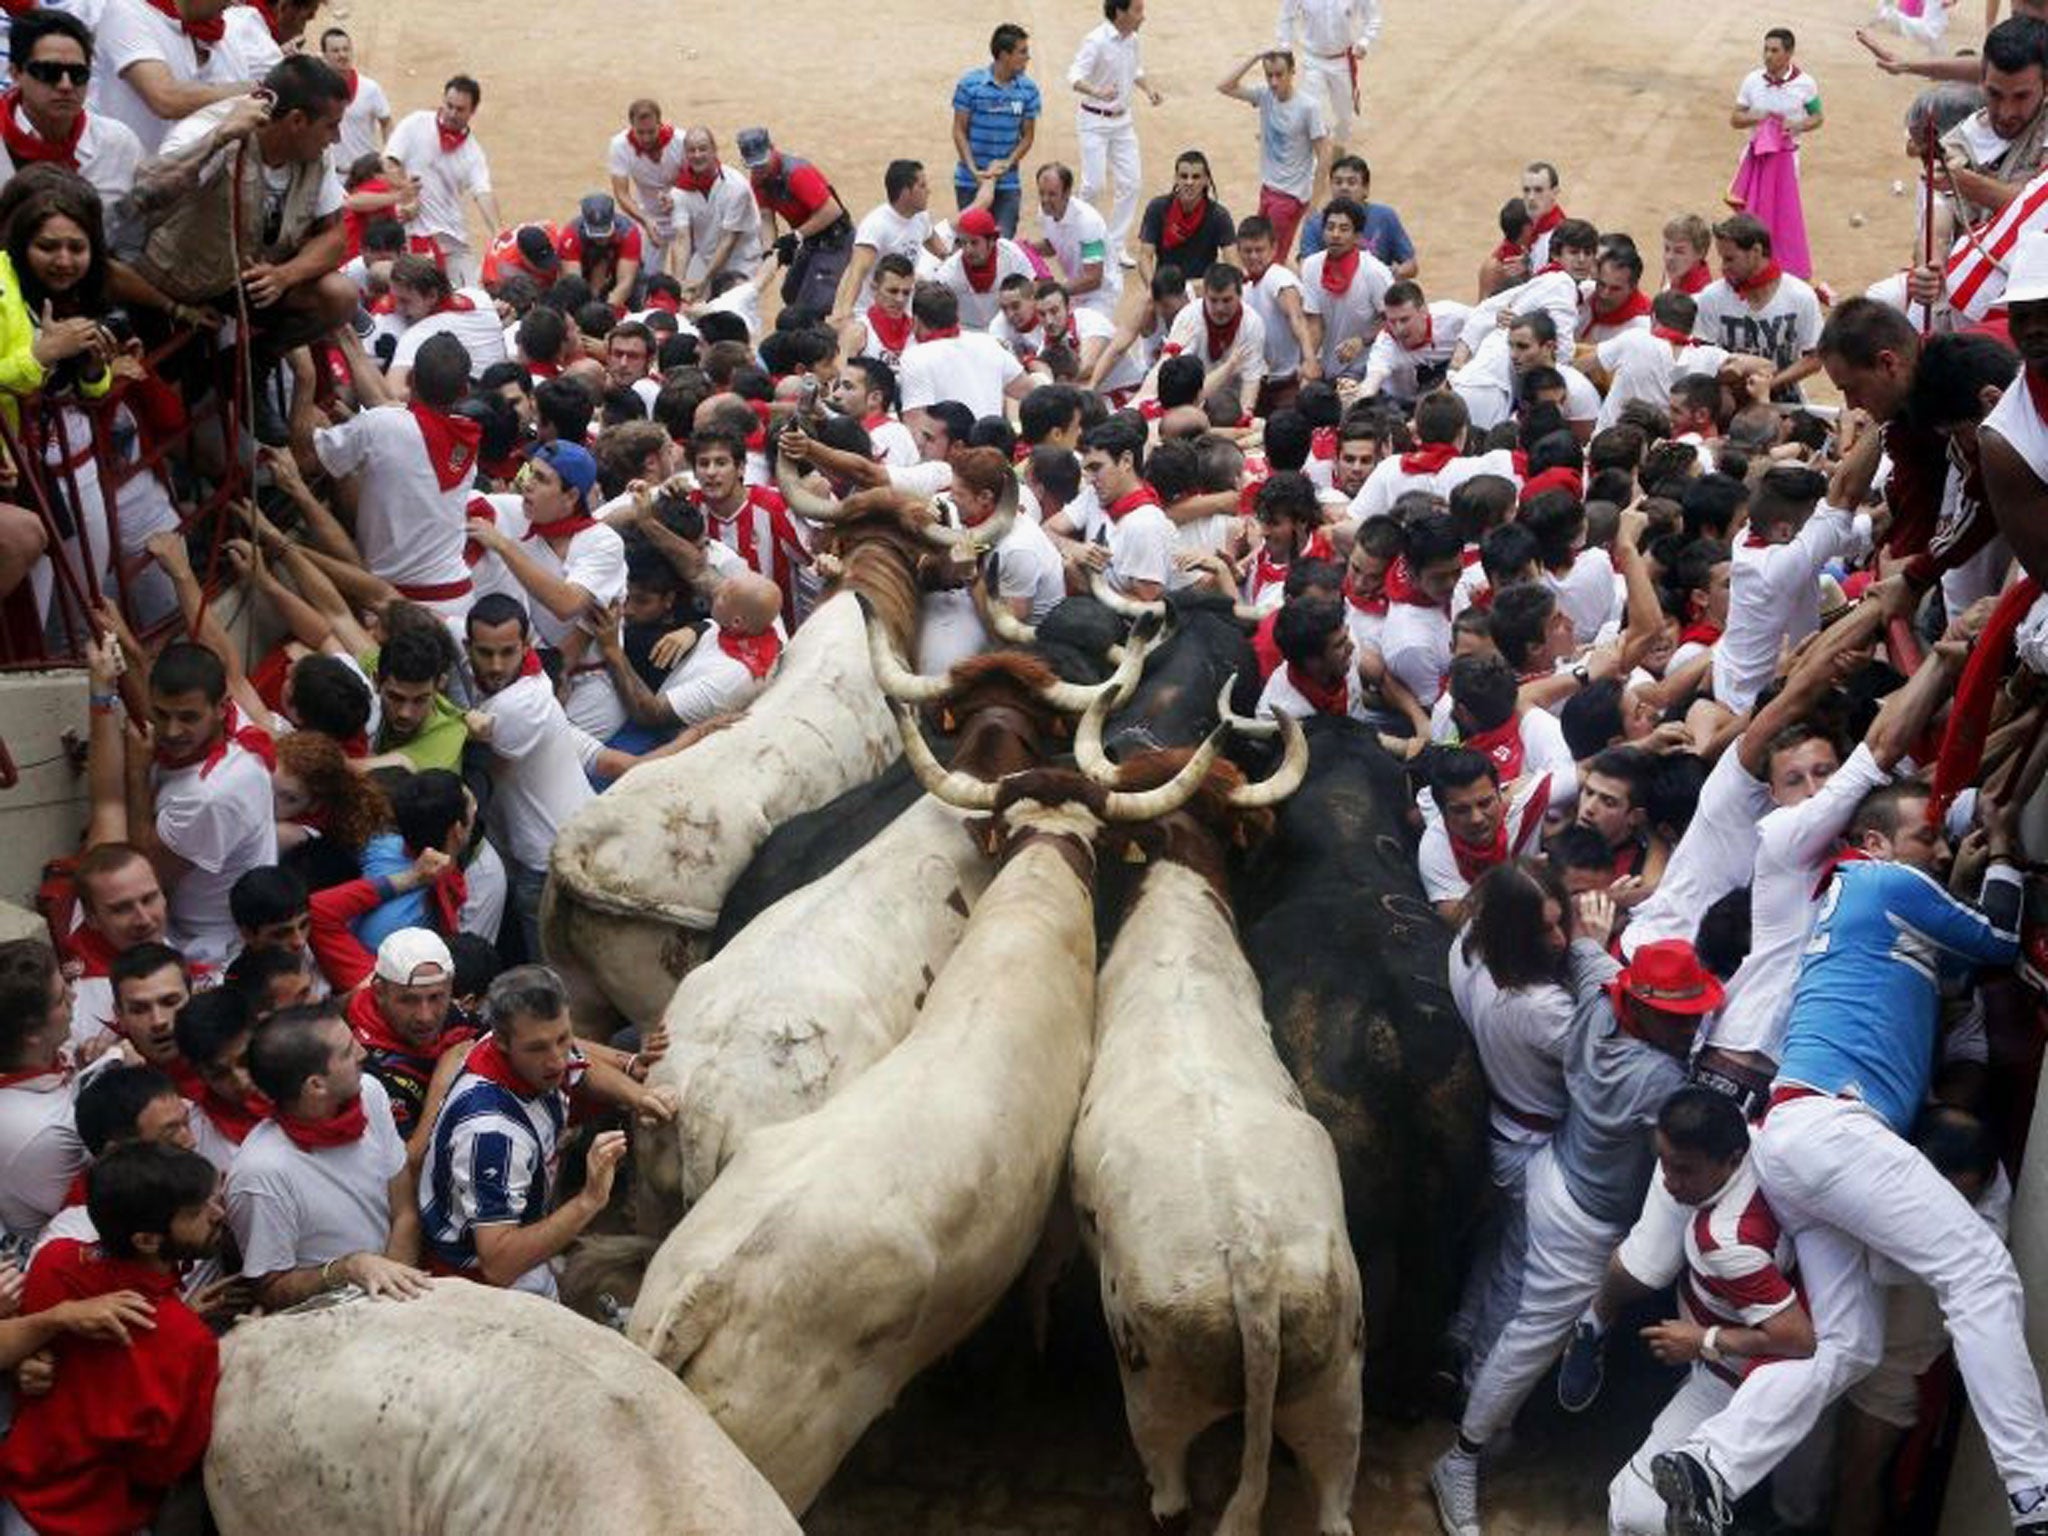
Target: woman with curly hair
326,811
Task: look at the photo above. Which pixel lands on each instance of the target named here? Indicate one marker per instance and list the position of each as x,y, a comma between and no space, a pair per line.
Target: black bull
1353,966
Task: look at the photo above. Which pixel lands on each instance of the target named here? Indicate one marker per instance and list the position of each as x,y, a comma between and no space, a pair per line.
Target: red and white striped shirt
1979,264
1738,1263
762,533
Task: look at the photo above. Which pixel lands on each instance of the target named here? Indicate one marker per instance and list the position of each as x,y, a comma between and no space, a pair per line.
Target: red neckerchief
18,7
1480,598
1183,223
341,1129
1637,303
667,303
756,653
92,950
384,303
662,140
1781,79
1546,224
983,277
1508,250
530,664
1841,856
457,304
1401,588
268,11
479,507
1468,557
233,1119
1504,745
451,443
1678,339
1339,270
1222,337
251,739
1123,506
367,1022
1150,410
942,333
1334,699
1547,268
78,1192
1428,459
1322,443
690,181
1474,862
355,81
27,147
488,1062
561,528
1698,277
61,1072
1765,276
1754,540
1562,478
893,331
1377,605
207,32
1699,633
452,139
356,747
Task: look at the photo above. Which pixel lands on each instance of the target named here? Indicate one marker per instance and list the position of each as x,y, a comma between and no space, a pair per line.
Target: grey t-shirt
1616,1084
1287,134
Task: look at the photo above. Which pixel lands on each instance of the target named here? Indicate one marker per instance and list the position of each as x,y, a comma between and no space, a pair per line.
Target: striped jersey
996,114
492,1159
1979,263
762,533
1738,1260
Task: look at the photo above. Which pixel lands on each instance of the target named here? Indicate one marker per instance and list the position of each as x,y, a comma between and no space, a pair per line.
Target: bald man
713,671
717,222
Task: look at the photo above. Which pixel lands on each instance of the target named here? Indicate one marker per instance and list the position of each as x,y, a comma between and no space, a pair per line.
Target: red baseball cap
978,222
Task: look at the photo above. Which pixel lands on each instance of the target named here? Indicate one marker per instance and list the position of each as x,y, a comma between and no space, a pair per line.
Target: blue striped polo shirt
996,114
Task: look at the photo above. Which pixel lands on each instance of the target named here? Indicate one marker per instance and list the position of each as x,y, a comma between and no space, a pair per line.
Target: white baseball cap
2029,281
405,954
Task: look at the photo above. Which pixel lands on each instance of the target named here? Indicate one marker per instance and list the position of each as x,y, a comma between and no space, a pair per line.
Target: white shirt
359,123
1107,63
1327,28
1027,565
593,559
131,32
1400,371
1415,643
1389,482
221,825
653,177
409,530
708,217
1642,366
1280,697
1555,293
973,368
1784,329
478,329
2015,421
1353,313
1716,855
1774,596
40,1152
1441,878
1586,593
1794,845
977,309
293,1209
1796,96
1283,351
892,442
1141,548
888,233
709,682
444,179
1288,134
1080,238
539,766
108,153
1521,1034
1246,357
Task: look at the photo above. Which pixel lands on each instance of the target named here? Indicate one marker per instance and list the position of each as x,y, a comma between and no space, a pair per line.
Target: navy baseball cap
599,219
756,149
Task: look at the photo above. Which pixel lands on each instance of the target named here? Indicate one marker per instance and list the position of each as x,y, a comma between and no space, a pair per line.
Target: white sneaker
1126,260
1454,1479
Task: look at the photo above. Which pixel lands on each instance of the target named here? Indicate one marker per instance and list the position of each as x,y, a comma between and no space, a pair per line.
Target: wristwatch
1710,1345
1581,676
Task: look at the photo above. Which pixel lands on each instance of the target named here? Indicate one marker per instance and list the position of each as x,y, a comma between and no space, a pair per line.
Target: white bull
639,874
1210,1201
468,1410
840,1254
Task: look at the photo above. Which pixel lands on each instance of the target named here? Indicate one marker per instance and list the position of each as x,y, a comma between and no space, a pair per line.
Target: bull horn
1285,779
1075,698
984,536
962,790
996,617
1250,729
897,680
1151,804
803,501
1116,602
1088,754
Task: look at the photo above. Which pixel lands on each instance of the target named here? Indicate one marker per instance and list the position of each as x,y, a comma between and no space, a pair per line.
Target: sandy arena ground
1629,98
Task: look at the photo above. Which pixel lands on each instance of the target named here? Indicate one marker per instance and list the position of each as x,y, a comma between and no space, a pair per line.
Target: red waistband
1785,1093
434,591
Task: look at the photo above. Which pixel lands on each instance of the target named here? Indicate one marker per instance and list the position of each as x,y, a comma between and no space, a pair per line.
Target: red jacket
124,1422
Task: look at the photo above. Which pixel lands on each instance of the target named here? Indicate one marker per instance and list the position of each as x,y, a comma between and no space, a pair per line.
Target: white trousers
1332,77
1568,1253
1494,1286
1109,148
1633,1507
461,263
1845,1185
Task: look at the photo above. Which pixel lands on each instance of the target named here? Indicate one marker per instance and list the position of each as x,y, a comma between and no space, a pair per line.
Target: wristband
1581,676
102,700
1710,1345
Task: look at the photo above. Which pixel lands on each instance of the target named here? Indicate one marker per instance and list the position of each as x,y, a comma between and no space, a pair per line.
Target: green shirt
441,739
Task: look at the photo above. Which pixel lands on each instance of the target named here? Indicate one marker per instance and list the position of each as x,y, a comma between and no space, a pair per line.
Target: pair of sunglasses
47,72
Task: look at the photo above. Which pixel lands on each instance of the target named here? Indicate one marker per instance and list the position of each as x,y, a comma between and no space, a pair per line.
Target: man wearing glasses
51,56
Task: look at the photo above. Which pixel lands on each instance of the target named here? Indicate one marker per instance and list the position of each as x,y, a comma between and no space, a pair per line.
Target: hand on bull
657,1106
653,1046
606,1153
672,647
375,1275
223,1300
1593,915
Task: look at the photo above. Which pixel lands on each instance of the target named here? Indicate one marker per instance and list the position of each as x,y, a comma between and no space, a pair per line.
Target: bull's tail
1256,1301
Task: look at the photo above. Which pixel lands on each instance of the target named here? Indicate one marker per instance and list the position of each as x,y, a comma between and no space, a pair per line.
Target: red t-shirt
353,223
623,246
124,1422
503,259
802,191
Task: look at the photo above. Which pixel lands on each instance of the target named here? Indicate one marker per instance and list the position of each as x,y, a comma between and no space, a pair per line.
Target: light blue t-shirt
1288,131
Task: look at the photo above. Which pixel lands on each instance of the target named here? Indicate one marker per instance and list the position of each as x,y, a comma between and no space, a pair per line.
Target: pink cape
1767,185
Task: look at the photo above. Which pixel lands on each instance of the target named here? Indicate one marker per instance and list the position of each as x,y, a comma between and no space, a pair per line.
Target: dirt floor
1629,98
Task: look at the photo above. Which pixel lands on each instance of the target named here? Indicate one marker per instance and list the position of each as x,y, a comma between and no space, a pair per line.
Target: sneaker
1695,1503
1582,1370
2029,1511
1126,260
1454,1479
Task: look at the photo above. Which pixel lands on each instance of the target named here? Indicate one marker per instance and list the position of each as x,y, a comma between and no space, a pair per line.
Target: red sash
337,1130
450,441
1428,459
251,739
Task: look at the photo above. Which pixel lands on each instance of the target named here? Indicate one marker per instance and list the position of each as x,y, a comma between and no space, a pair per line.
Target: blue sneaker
1582,1370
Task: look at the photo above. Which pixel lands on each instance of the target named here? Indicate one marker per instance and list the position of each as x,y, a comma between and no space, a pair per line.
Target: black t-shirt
1198,254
